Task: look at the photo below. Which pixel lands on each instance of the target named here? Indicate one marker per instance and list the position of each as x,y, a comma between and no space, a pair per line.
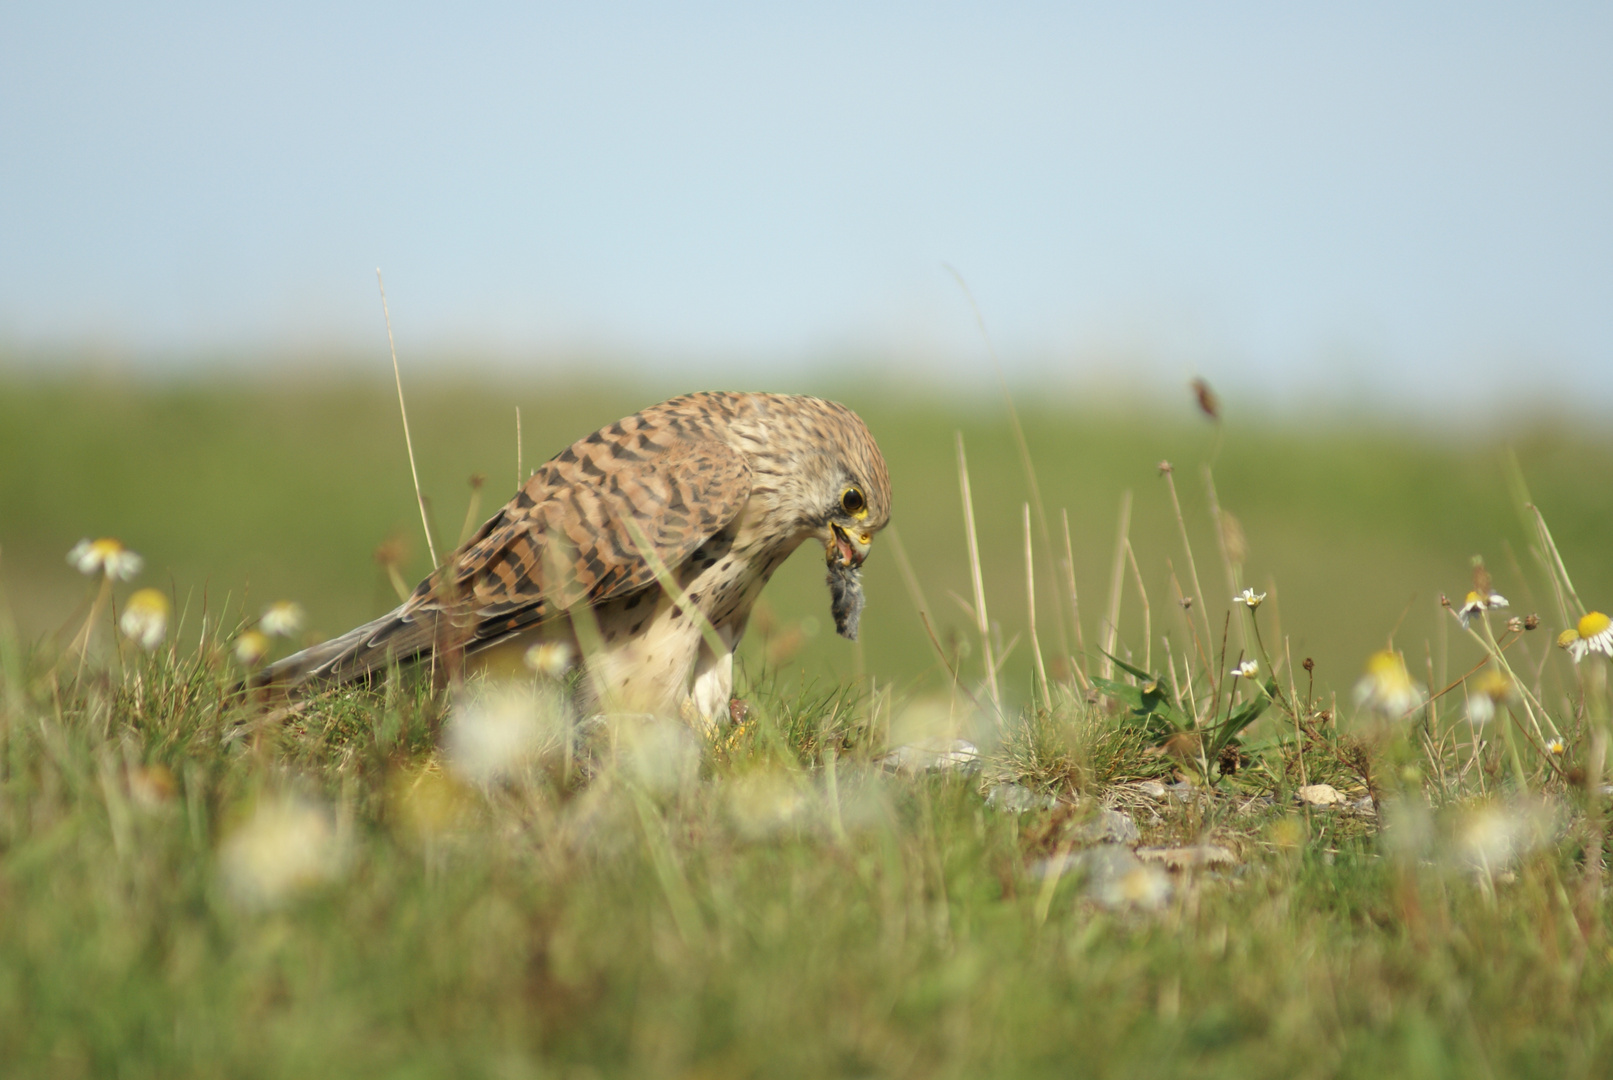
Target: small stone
934,755
1320,795
1151,788
1365,805
1109,827
1017,798
1196,857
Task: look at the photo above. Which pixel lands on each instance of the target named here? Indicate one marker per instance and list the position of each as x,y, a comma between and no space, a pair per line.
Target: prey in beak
845,553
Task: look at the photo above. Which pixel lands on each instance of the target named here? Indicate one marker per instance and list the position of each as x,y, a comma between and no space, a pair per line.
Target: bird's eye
853,503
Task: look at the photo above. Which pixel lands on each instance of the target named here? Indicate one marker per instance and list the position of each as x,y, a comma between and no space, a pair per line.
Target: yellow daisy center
1593,624
1494,685
148,602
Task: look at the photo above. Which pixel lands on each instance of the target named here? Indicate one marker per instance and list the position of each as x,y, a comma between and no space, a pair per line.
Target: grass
189,886
612,929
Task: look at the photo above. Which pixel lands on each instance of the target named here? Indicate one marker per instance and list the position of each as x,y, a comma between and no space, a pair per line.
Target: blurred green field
241,492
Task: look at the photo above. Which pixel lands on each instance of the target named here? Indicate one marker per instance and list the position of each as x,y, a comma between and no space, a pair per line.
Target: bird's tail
393,638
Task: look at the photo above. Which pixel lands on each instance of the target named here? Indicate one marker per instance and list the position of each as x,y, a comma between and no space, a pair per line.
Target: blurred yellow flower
430,804
107,556
550,658
1386,687
251,647
1593,634
1477,602
281,618
1556,748
1249,669
145,618
1485,693
1250,597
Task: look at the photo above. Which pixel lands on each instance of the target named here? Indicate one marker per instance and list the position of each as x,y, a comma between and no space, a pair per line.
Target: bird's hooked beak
847,548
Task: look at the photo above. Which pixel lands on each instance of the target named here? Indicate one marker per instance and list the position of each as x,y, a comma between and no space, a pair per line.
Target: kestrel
708,492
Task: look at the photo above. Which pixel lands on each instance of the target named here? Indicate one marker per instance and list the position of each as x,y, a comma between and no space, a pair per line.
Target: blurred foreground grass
360,884
190,888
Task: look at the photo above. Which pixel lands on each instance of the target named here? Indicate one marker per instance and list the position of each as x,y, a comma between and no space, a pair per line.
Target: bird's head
848,499
852,496
820,474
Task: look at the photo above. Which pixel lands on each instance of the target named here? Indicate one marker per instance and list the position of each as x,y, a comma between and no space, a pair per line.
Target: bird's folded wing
576,532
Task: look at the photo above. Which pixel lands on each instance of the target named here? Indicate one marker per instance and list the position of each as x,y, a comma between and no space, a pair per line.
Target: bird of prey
640,549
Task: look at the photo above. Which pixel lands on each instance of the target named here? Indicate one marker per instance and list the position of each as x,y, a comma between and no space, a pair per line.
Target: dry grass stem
1025,462
1117,572
1030,610
982,622
408,440
1077,663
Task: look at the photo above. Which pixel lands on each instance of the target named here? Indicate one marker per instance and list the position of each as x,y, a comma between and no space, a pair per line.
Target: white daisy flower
1556,747
1250,597
495,731
107,556
1485,694
251,647
1249,669
287,846
281,618
145,618
1387,687
1477,602
1594,633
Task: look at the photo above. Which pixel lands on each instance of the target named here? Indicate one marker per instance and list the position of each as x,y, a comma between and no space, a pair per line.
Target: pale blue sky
1391,201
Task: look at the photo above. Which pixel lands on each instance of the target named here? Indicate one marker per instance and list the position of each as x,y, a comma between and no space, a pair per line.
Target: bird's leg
713,685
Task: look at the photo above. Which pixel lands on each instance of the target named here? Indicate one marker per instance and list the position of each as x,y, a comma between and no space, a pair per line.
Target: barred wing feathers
564,540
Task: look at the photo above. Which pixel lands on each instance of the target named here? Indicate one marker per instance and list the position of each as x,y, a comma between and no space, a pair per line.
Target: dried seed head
1531,622
1165,468
1309,664
1515,625
476,481
1209,404
393,552
1187,602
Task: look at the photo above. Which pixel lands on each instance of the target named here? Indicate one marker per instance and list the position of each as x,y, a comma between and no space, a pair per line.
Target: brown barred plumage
720,487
